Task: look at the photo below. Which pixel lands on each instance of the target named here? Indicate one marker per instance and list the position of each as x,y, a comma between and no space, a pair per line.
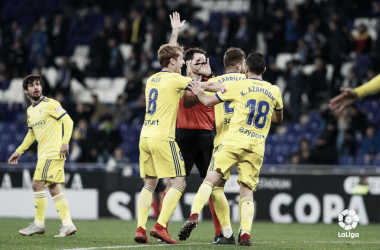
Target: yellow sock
222,209
144,204
40,208
247,211
169,204
62,207
201,197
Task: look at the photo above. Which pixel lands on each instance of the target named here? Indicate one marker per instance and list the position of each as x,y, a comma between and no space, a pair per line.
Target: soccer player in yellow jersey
45,120
234,63
256,104
159,153
349,95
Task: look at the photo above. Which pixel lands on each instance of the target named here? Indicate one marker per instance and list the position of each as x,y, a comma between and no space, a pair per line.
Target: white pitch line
189,244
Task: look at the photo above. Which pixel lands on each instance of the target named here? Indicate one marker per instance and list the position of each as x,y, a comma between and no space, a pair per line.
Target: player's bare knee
55,189
151,182
179,182
214,177
245,190
221,183
38,186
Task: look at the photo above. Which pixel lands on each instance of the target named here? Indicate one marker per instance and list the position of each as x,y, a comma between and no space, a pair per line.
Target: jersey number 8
262,112
153,95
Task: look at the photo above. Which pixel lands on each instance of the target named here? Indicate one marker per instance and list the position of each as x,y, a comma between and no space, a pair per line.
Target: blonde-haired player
159,153
45,120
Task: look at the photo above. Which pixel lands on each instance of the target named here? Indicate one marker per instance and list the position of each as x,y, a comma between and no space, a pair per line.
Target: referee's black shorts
196,147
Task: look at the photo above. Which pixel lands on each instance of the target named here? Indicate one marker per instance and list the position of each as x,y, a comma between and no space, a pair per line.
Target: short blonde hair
168,51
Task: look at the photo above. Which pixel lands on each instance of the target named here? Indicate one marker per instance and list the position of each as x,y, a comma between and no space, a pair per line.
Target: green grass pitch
118,234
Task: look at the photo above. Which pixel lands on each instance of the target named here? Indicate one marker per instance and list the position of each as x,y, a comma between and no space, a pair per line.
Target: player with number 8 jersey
160,156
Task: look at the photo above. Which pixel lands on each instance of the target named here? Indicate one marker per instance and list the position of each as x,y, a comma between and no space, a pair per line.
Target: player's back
224,111
254,101
163,92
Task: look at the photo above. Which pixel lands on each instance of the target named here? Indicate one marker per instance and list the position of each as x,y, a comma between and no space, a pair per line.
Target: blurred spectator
305,155
296,85
133,87
16,31
121,112
144,65
38,45
16,59
351,80
65,72
86,138
117,158
338,48
100,109
312,34
160,4
293,30
82,111
242,37
138,30
116,59
99,56
317,84
362,40
224,35
272,73
160,26
209,42
370,144
125,32
4,77
303,51
109,137
58,35
275,32
294,159
110,28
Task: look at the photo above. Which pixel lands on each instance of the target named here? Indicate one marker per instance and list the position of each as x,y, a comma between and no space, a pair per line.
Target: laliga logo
348,219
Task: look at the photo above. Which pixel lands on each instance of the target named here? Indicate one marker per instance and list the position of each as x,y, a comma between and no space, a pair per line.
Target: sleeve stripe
279,109
187,87
219,98
62,115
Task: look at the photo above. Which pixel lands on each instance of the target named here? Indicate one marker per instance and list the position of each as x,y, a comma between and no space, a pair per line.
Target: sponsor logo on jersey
59,109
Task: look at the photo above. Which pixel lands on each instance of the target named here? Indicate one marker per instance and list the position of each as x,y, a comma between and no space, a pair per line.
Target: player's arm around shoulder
207,100
212,86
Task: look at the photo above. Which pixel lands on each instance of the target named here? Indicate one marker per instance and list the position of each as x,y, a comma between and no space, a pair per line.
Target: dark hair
30,79
168,51
189,54
256,63
233,56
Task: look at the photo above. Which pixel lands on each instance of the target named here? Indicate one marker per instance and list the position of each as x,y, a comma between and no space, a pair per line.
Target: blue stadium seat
360,160
376,162
346,160
293,128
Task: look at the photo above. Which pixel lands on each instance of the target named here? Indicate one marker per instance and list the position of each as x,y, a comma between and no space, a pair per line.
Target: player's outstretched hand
176,21
64,152
196,87
206,69
14,158
339,102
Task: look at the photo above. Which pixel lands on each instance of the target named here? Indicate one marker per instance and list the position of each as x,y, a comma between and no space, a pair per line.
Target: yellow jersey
43,119
163,92
253,101
224,111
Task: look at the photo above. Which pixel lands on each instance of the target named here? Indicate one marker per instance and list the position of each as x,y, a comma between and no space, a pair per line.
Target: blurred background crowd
312,49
